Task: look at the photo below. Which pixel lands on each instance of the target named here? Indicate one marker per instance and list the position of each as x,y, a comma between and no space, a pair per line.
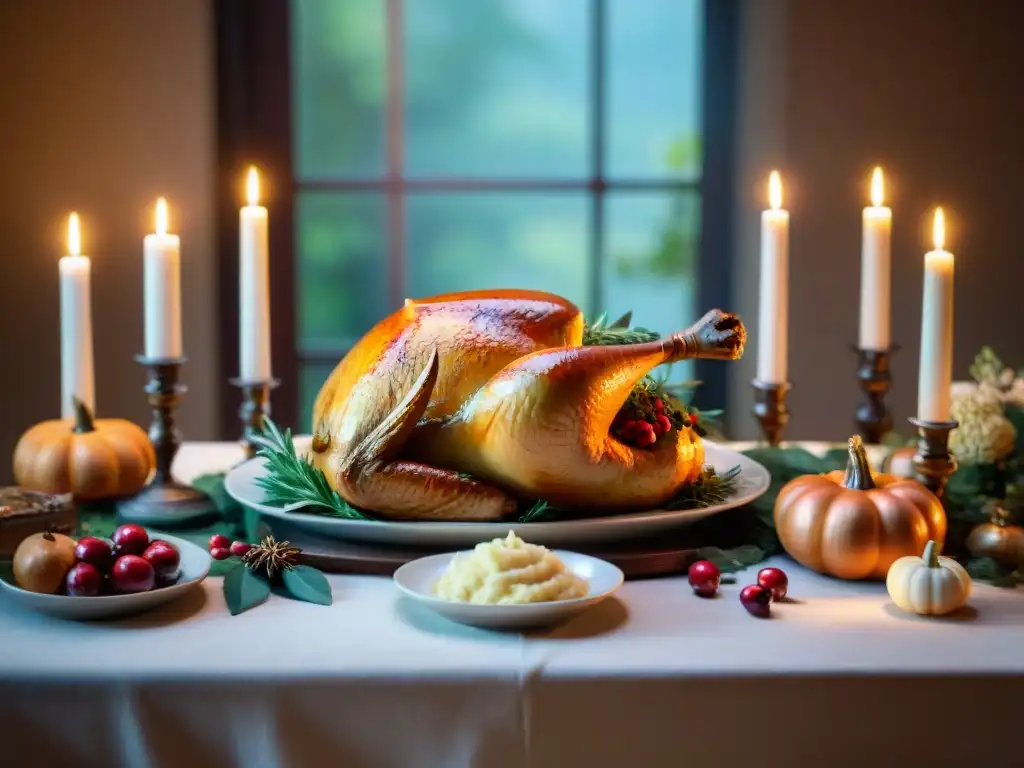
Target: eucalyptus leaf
304,582
245,588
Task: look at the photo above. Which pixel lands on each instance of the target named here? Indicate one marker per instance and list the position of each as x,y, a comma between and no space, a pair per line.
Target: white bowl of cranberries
132,571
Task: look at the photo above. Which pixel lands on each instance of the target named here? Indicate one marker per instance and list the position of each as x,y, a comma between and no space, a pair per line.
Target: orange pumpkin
89,458
855,524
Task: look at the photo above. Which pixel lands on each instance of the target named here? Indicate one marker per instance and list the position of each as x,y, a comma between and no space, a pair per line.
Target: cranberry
130,539
757,600
704,577
220,553
83,580
165,560
645,434
240,548
659,406
775,581
96,552
219,541
663,424
132,573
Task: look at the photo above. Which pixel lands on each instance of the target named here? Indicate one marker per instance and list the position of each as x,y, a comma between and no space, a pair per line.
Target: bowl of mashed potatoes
507,583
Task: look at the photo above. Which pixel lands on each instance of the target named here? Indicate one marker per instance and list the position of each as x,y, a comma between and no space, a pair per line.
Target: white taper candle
773,318
936,370
77,378
161,253
254,287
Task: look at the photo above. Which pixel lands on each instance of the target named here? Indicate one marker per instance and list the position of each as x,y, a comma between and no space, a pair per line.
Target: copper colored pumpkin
855,524
998,539
89,458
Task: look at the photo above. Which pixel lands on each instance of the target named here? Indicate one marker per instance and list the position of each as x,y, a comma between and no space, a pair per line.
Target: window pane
498,240
651,247
496,87
311,377
655,50
339,84
342,267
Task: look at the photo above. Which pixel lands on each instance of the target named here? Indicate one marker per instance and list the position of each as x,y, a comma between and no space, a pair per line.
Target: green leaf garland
245,588
306,583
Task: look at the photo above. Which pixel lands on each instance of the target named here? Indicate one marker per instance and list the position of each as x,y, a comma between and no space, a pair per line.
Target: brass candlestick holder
165,500
873,418
254,409
933,463
770,409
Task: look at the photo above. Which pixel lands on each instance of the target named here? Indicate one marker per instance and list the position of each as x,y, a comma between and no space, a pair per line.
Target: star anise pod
272,555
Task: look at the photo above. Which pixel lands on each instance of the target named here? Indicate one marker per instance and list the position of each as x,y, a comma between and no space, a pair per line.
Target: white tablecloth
655,677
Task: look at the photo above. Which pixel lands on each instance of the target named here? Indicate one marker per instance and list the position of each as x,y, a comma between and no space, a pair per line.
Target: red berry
664,424
96,552
645,435
165,560
704,577
132,573
219,541
757,600
83,580
130,539
239,548
693,417
659,406
220,553
775,581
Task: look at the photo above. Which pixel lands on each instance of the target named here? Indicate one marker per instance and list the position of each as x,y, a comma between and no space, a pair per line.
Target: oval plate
195,565
753,481
416,580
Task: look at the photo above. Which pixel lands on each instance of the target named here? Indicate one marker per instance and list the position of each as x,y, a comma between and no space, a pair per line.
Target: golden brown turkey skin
496,384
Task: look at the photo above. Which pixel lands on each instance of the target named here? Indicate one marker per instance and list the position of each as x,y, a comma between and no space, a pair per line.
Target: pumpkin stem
931,554
83,416
49,536
858,470
999,516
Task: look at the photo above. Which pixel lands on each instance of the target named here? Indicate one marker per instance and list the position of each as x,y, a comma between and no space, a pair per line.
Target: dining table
653,676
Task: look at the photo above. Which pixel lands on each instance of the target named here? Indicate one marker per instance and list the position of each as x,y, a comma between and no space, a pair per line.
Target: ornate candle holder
255,407
933,463
164,500
873,418
770,409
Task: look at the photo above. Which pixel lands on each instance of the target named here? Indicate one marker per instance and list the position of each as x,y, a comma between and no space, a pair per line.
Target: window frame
254,124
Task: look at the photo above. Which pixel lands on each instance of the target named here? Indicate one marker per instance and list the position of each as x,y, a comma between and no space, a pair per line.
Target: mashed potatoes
508,571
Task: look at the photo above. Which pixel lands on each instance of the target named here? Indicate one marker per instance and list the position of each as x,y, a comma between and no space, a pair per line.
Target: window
443,145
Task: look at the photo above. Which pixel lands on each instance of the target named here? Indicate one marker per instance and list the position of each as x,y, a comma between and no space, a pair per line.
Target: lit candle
254,287
161,254
936,371
76,363
875,270
773,321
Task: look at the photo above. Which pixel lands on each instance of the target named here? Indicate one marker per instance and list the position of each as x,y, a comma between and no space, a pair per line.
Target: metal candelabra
770,409
873,418
164,500
933,463
254,409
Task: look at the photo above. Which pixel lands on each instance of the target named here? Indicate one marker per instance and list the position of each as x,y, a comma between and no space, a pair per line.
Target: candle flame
74,236
161,216
939,230
877,187
775,190
252,186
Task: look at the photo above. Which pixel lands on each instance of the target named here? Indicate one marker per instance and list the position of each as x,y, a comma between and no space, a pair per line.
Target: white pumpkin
928,585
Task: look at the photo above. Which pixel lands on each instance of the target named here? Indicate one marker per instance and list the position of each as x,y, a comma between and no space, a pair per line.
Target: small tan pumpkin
998,539
42,560
89,458
901,462
855,524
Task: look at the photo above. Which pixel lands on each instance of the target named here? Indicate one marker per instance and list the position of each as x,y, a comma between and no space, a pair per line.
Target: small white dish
416,580
195,565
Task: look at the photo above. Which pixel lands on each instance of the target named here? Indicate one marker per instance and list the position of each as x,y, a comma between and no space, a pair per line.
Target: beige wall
106,105
932,89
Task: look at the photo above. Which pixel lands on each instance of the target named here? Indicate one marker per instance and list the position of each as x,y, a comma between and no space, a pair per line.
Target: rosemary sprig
291,479
602,333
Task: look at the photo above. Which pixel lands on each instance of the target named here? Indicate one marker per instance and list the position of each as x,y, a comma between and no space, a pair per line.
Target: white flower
985,435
